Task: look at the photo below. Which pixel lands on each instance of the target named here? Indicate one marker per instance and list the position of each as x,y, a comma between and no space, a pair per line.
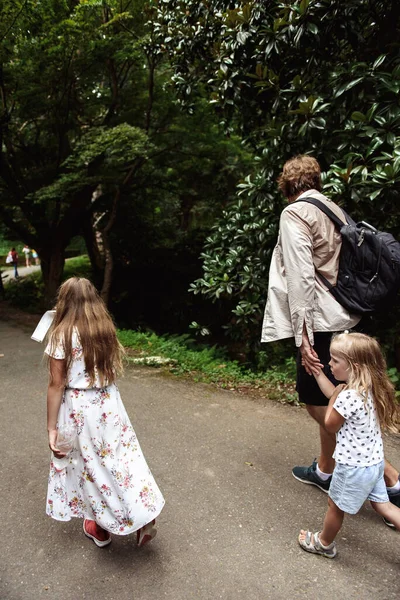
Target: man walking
300,306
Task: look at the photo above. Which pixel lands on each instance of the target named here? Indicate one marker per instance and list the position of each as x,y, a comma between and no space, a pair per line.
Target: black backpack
369,265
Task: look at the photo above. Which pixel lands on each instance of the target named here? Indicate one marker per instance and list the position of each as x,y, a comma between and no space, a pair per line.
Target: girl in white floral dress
106,480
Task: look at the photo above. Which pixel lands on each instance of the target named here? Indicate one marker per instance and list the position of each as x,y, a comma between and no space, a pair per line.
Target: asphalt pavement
233,510
8,272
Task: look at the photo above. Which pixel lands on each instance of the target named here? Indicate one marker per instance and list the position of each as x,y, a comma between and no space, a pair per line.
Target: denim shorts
352,486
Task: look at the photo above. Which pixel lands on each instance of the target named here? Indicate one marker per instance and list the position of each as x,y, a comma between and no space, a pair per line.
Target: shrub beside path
233,510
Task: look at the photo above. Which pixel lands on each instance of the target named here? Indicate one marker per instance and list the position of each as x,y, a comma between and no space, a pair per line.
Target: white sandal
312,543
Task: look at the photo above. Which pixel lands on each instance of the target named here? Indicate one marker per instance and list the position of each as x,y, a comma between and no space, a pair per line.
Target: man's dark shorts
306,386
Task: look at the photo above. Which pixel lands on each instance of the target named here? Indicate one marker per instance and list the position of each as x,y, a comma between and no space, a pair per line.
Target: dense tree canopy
88,132
312,76
66,68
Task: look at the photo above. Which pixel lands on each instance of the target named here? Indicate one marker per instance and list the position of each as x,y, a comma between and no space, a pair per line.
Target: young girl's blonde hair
367,373
79,309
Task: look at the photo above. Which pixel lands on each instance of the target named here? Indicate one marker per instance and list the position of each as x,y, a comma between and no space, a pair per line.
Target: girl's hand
312,369
52,444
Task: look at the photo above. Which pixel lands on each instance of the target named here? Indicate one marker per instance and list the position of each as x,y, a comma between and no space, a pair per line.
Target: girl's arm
325,385
333,419
55,392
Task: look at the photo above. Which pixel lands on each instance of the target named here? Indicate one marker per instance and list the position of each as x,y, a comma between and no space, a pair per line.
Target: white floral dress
107,478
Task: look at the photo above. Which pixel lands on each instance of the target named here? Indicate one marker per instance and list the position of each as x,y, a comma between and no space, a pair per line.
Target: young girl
106,480
356,412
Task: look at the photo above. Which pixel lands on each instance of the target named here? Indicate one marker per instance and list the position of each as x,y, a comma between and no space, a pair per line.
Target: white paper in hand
43,326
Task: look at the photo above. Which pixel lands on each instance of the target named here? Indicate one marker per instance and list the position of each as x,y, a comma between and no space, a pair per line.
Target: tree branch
14,21
150,86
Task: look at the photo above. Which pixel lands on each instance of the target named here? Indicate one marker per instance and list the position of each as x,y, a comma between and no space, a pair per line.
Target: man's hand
309,358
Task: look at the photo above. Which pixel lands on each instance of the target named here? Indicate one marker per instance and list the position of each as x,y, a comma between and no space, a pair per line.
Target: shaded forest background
155,131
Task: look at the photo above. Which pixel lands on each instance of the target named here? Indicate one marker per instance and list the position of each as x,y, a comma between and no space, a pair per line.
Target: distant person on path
105,479
300,306
14,256
356,413
35,256
27,251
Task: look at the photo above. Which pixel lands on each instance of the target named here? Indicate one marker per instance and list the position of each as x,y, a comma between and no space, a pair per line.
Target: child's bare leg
390,511
332,523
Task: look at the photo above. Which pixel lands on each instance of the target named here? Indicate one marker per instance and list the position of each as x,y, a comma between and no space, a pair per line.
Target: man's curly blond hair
299,174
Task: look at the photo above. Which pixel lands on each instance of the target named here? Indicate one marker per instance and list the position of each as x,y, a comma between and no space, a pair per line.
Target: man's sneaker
309,475
394,498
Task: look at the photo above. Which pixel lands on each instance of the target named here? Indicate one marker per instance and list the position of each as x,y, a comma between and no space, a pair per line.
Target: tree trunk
109,261
108,270
105,232
96,254
52,262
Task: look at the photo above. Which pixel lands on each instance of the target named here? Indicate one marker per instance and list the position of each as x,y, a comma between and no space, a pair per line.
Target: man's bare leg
391,474
328,440
390,512
319,472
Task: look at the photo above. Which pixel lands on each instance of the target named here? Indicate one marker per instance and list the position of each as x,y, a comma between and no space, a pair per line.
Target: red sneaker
146,534
90,529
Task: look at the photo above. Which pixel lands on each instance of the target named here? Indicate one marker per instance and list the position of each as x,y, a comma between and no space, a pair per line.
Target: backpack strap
335,219
329,213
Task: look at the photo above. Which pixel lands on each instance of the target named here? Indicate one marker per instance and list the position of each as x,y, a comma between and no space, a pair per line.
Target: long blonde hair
79,309
368,374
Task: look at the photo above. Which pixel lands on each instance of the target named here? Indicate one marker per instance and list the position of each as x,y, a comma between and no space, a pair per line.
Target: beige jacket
308,240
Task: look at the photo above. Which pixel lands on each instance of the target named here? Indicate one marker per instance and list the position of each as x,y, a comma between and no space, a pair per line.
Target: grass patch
79,266
210,365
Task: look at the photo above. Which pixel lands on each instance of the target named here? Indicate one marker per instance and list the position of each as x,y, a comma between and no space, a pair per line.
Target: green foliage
180,192
271,379
68,126
27,292
292,77
5,246
78,266
113,148
209,364
237,254
92,135
394,376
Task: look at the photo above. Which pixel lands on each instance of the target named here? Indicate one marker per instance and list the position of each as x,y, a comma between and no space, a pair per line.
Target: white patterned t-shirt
77,376
359,440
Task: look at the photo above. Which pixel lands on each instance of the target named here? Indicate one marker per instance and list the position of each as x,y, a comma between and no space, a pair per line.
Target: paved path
8,272
233,509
